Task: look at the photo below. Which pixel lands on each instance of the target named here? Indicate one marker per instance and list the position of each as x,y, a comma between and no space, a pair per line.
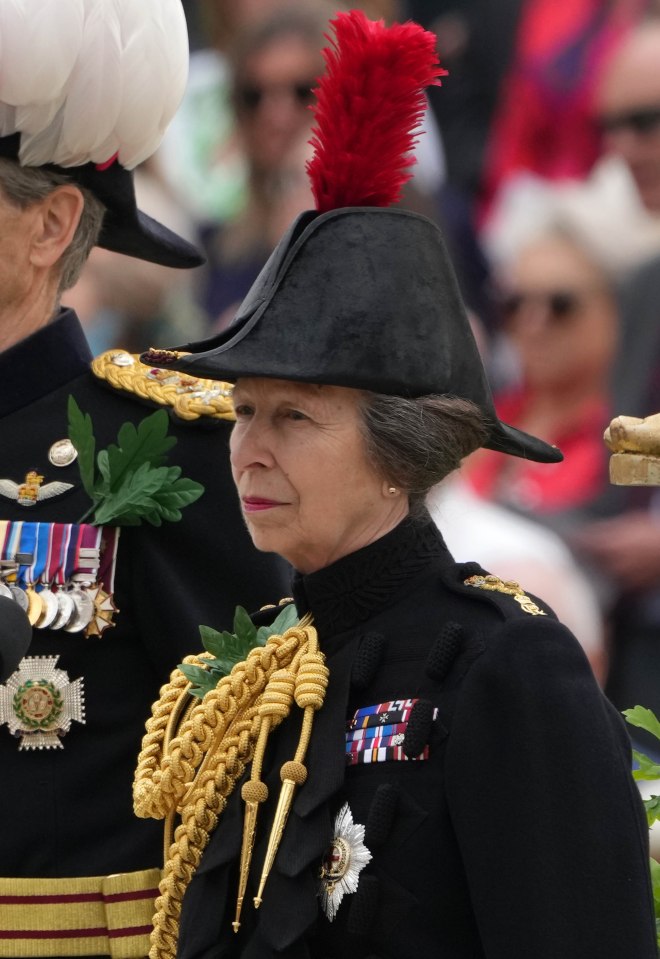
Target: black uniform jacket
520,835
68,812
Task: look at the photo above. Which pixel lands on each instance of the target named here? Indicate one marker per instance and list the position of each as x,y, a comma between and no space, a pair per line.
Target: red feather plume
369,103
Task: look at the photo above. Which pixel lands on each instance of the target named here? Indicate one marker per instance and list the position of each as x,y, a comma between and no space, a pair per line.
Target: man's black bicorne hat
361,296
125,228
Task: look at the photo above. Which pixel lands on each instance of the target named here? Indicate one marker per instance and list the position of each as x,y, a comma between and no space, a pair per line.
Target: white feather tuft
154,70
90,78
93,101
40,43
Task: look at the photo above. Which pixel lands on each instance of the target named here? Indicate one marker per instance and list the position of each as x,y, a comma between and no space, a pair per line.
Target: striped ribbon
375,733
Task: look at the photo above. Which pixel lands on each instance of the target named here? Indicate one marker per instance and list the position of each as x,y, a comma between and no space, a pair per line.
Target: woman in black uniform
424,765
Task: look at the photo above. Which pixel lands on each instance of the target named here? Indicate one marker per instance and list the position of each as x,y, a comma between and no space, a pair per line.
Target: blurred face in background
628,109
560,316
273,95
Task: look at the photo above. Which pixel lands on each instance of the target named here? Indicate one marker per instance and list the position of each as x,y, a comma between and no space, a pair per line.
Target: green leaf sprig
129,482
228,649
648,770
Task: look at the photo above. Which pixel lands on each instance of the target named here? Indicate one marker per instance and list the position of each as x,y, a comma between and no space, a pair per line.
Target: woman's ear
55,225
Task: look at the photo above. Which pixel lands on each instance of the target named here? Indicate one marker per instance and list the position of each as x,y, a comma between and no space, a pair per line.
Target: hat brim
144,238
508,439
125,229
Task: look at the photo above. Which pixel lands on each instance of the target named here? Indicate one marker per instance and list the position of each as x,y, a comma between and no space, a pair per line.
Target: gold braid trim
190,397
194,773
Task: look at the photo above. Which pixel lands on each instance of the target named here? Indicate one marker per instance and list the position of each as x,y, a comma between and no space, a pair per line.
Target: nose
249,447
532,319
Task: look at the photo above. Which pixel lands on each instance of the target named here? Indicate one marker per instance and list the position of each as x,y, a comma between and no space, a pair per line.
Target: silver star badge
343,862
39,703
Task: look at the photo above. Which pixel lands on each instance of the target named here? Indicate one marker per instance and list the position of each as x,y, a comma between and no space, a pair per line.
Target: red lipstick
254,504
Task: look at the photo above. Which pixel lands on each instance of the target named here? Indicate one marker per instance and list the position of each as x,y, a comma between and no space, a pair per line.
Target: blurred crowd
540,160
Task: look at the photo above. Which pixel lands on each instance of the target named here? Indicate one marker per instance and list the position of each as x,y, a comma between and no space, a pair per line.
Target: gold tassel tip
281,815
249,829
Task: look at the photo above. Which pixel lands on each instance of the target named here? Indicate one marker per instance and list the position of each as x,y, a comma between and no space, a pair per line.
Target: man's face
16,227
628,107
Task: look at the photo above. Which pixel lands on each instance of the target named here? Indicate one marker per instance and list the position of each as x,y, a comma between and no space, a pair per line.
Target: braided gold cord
309,693
195,772
190,397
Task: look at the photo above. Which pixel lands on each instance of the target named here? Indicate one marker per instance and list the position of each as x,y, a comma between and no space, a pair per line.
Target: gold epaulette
189,397
508,587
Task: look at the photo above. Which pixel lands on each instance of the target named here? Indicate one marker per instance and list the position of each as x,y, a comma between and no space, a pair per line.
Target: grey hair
415,443
24,186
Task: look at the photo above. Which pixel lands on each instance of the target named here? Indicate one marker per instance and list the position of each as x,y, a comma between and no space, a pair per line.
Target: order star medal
343,862
104,611
39,703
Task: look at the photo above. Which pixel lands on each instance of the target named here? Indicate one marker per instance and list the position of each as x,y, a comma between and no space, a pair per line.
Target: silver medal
84,610
20,596
66,610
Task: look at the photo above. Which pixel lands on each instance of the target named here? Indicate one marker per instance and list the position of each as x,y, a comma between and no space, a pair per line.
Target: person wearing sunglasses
625,544
628,110
272,65
557,312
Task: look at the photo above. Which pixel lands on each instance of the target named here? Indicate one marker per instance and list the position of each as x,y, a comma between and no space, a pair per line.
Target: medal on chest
61,574
39,702
343,862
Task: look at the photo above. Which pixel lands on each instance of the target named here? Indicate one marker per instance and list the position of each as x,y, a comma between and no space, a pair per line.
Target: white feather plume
87,79
155,64
39,45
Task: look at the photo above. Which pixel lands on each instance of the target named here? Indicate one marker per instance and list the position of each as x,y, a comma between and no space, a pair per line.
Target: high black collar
349,591
42,362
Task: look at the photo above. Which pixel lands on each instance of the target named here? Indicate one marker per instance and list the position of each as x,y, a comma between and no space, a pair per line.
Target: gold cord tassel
193,754
311,684
275,705
292,774
249,832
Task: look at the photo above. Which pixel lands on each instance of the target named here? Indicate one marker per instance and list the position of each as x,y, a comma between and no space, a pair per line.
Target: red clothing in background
545,487
544,122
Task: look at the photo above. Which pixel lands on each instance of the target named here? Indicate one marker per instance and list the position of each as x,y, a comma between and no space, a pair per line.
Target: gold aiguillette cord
306,682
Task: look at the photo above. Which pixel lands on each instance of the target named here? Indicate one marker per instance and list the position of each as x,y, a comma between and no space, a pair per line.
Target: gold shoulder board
495,584
190,397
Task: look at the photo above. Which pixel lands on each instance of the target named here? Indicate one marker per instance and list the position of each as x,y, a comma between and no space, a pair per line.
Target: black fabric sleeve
547,816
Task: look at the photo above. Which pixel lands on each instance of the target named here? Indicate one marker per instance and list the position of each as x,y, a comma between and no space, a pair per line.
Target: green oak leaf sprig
227,649
129,482
648,770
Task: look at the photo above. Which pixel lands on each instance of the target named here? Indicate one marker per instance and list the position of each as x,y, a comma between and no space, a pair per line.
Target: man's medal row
61,574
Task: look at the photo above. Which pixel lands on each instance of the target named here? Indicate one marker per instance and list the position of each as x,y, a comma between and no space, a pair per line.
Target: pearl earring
392,490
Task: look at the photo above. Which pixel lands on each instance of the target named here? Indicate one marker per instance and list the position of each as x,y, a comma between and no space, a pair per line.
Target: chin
265,540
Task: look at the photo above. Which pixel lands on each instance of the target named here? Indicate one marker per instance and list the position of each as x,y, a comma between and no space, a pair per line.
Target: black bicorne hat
364,297
358,293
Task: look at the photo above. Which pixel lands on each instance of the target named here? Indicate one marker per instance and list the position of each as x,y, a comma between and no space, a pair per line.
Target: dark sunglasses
250,97
642,121
560,304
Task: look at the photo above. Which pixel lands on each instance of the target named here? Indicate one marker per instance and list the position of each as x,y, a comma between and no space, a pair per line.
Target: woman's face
560,315
274,94
307,487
